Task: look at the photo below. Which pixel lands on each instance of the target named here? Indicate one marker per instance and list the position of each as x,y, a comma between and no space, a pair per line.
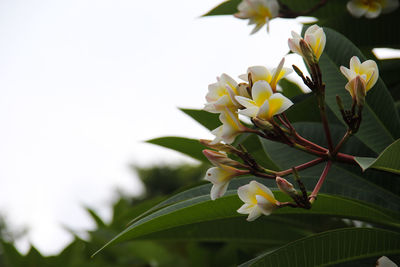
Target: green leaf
305,108
226,8
187,146
388,160
201,209
290,89
380,125
207,119
332,247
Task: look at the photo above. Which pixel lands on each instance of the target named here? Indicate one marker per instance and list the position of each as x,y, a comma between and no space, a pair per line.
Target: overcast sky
84,82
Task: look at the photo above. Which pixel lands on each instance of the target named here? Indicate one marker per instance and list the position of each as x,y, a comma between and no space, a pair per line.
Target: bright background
84,82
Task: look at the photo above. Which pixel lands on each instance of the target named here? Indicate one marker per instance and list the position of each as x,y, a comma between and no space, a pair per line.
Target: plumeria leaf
226,8
207,119
202,209
332,247
381,124
290,89
388,160
187,146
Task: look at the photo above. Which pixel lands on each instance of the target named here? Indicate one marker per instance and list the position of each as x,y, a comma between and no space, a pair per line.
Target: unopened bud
339,102
360,91
218,146
218,159
262,124
308,53
244,90
286,187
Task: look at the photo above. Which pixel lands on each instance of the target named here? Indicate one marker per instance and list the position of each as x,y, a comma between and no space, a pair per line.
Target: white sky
84,82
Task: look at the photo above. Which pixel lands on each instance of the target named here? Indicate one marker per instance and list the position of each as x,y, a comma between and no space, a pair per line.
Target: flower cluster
257,98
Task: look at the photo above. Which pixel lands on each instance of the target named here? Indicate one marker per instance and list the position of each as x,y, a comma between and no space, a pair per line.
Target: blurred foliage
159,181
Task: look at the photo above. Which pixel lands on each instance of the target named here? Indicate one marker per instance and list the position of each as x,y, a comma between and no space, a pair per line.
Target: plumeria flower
258,199
314,37
220,177
220,94
371,8
385,262
230,128
259,12
360,75
261,73
264,103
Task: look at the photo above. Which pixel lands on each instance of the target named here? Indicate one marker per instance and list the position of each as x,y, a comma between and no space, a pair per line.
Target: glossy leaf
187,146
207,119
388,160
290,89
332,247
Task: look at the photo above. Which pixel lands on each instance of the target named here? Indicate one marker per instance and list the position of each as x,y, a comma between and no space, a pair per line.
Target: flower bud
308,53
218,146
262,124
218,158
286,187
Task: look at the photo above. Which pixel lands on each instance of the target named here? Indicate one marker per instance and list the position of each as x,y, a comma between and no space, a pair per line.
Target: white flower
258,73
314,37
371,8
264,104
385,262
367,72
230,128
258,199
220,177
259,12
220,94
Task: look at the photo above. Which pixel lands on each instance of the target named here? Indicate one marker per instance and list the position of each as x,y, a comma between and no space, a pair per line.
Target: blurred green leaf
207,119
226,8
332,247
381,124
187,146
290,89
388,160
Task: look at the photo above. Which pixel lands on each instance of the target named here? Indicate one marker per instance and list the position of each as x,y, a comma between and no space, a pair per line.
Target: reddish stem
301,167
320,182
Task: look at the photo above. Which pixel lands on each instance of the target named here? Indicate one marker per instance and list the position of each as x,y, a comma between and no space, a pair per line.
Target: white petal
349,74
264,111
218,190
264,205
259,73
246,102
260,92
244,193
246,208
244,77
385,262
249,112
254,214
356,9
355,64
374,11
